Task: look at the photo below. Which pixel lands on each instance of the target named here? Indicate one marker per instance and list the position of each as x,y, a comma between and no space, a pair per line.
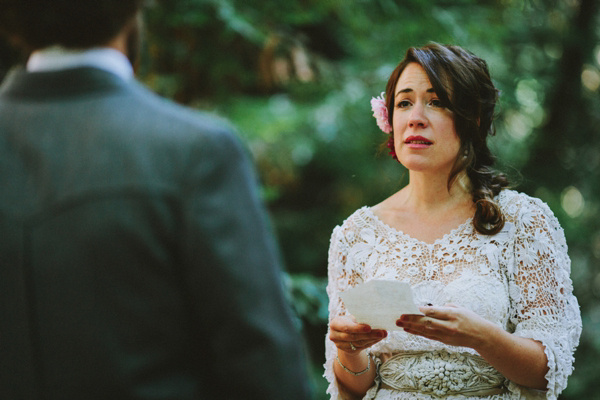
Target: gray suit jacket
135,261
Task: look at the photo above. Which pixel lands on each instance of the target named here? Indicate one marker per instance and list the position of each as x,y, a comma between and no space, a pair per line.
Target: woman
487,265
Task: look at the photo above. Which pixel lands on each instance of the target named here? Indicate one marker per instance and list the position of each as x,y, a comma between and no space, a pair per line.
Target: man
135,262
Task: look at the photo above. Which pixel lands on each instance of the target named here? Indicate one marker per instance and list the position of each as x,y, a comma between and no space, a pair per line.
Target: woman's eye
403,104
436,103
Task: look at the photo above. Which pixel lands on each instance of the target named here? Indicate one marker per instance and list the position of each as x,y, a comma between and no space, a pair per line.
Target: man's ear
135,40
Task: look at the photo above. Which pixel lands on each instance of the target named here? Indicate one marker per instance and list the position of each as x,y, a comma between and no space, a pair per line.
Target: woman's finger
443,313
347,324
363,344
369,342
352,337
429,334
353,347
337,336
345,337
424,325
409,319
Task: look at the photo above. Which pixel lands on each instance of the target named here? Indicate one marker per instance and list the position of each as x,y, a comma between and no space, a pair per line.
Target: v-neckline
368,210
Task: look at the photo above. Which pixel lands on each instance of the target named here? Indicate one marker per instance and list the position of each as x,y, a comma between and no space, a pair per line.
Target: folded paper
379,303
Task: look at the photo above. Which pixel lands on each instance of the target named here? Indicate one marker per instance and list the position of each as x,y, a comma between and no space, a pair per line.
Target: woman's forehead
412,78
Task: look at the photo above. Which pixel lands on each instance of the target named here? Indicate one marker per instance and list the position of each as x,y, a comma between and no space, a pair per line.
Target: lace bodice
518,279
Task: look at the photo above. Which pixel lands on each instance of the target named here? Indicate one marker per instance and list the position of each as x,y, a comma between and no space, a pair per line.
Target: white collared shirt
57,58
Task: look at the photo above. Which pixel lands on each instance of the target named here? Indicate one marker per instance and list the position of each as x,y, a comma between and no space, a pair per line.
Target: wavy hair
463,84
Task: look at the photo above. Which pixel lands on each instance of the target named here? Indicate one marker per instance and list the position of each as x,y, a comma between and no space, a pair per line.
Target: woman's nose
417,117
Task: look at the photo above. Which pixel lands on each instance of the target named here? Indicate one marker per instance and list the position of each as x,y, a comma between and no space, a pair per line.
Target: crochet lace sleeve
543,306
340,277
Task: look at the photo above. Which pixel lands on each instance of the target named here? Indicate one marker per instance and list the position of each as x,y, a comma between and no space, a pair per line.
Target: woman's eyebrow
408,90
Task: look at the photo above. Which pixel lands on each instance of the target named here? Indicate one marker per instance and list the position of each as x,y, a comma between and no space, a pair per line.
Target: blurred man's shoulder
178,122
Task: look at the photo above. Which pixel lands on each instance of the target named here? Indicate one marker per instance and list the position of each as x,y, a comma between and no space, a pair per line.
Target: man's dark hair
70,23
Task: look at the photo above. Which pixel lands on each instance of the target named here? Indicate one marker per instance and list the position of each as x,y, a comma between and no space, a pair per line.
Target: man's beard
134,41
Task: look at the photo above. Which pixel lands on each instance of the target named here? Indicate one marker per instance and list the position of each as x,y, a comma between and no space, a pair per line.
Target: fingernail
399,323
367,329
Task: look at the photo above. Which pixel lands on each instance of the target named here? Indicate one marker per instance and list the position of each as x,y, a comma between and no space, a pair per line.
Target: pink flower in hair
380,113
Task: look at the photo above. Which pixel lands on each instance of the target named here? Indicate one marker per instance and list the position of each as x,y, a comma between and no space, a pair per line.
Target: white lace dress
518,278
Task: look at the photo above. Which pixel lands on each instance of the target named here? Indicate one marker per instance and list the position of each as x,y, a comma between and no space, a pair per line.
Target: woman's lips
417,142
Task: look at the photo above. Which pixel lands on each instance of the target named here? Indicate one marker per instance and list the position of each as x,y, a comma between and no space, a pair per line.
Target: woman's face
425,139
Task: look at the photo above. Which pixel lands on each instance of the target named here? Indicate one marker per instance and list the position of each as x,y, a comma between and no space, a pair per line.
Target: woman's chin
418,165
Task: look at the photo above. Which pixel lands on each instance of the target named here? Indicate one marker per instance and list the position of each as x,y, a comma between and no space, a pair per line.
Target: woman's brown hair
463,84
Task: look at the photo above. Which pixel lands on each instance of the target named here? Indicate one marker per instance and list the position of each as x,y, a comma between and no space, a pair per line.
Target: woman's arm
345,333
519,359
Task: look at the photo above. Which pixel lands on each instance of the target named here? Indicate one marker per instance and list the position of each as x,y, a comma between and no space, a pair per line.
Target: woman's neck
429,193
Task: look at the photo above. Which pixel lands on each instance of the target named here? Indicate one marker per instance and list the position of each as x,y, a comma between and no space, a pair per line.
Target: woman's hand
451,325
521,360
351,337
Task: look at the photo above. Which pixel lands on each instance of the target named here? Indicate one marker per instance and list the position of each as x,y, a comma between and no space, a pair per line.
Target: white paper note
379,303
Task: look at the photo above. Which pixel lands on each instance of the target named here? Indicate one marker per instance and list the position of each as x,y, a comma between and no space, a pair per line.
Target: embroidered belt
440,373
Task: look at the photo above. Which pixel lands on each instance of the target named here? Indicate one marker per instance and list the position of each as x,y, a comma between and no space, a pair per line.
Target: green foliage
296,77
308,297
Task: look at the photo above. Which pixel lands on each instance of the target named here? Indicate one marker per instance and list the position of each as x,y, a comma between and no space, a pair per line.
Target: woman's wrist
487,337
355,373
353,361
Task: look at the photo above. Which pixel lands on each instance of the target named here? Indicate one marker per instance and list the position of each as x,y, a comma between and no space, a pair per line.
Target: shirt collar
57,58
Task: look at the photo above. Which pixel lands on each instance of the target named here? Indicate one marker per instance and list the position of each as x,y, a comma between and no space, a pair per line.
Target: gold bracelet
352,372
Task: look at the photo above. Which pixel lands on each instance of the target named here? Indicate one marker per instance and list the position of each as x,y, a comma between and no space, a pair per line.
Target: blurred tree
562,169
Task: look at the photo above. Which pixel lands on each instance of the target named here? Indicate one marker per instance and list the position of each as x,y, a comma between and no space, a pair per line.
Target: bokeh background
296,77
